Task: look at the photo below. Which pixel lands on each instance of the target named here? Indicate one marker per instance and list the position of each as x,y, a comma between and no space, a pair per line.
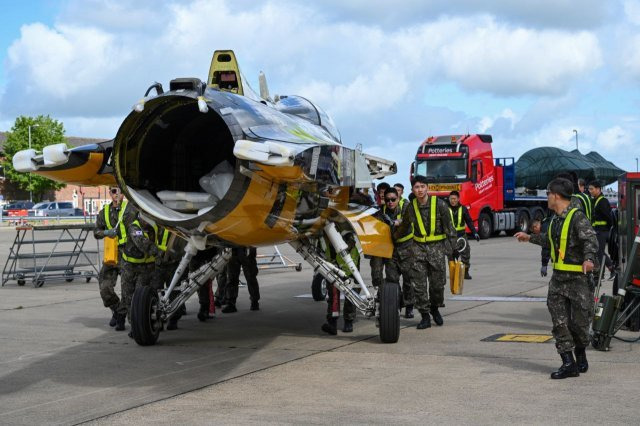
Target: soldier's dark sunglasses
390,200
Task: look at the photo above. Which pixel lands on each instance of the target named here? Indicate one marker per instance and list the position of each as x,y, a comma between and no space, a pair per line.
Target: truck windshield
443,169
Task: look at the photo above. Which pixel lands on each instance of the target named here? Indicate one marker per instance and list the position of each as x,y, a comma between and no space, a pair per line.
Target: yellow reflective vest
558,260
122,237
432,236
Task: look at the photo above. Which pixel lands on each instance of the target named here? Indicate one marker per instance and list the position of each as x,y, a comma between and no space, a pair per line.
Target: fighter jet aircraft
220,165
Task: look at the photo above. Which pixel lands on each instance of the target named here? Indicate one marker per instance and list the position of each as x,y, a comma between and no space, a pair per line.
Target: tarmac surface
60,362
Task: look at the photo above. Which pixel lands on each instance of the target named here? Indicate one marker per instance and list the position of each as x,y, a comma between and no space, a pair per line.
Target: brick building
89,198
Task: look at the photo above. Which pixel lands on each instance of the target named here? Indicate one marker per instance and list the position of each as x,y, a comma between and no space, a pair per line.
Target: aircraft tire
144,324
319,288
390,312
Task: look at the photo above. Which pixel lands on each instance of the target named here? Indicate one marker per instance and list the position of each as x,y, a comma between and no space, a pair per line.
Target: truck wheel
390,312
145,321
537,213
522,222
485,226
319,288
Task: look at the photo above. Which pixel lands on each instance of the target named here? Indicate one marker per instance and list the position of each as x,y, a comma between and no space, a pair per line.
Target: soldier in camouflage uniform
333,299
377,263
138,262
461,220
573,246
109,224
433,240
400,263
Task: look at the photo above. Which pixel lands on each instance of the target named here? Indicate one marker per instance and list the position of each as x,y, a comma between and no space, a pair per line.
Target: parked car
52,208
17,208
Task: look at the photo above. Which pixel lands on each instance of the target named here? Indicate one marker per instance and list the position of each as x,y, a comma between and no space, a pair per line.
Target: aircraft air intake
175,159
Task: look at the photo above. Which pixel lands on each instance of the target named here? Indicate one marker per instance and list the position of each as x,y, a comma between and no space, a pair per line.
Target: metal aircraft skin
221,166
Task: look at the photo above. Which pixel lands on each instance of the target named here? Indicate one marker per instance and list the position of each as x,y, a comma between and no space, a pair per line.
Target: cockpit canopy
302,107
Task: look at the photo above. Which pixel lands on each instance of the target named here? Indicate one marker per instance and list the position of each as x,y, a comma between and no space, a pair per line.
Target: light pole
576,132
636,164
30,190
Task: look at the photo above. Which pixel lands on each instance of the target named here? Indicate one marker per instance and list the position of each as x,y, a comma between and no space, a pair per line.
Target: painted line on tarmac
498,298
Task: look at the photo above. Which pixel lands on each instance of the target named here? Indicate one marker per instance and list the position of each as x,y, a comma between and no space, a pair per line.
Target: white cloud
486,122
65,61
614,138
630,56
507,61
632,11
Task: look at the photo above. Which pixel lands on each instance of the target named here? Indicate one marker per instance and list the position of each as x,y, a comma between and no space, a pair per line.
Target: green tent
536,167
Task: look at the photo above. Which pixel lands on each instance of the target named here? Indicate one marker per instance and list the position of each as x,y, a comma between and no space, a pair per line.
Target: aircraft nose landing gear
146,321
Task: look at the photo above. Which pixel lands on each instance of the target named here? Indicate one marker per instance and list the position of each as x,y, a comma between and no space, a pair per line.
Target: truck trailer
488,184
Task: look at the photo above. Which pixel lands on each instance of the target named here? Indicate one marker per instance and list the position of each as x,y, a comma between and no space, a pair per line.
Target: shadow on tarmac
105,373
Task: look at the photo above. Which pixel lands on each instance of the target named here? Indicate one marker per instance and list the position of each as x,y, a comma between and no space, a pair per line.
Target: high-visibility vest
558,260
131,259
459,225
122,238
432,223
161,242
598,222
586,202
355,256
399,217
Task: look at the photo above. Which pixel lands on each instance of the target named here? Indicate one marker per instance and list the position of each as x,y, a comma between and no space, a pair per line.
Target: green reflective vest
459,225
597,222
558,261
355,256
586,202
122,238
148,259
399,217
161,242
432,223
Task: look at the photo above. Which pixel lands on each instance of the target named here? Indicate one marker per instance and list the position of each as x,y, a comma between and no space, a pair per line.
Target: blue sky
390,73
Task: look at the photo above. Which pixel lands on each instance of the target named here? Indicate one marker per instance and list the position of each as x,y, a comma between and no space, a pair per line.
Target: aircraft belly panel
248,223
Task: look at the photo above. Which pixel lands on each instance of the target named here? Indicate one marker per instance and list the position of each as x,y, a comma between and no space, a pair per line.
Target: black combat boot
466,273
203,313
114,318
255,306
581,359
425,322
569,367
408,311
230,308
348,326
120,319
437,318
172,324
331,326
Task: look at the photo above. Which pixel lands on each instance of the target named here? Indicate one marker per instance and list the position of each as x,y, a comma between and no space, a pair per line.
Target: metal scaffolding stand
40,259
276,260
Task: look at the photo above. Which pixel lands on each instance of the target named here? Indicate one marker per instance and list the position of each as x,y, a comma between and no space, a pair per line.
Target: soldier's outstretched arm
540,239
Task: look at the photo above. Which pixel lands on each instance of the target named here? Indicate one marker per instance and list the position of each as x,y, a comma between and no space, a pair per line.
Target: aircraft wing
82,165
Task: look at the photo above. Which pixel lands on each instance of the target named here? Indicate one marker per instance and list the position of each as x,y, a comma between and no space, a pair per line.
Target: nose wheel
145,316
389,312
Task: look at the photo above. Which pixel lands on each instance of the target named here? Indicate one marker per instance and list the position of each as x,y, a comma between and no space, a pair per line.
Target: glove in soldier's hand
455,254
477,237
543,271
